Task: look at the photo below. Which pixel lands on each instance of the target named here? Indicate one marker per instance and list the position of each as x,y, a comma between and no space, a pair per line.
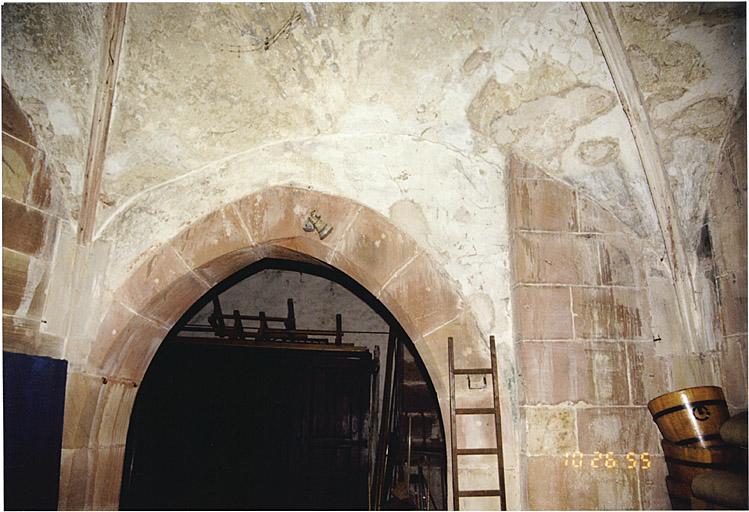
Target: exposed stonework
31,219
583,339
405,119
727,238
165,285
593,341
55,87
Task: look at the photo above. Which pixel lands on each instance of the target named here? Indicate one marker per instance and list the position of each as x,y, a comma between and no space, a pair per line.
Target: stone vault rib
114,28
607,33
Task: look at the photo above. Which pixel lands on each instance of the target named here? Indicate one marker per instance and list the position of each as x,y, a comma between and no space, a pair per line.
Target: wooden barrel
725,488
698,504
679,493
734,430
686,462
682,498
691,416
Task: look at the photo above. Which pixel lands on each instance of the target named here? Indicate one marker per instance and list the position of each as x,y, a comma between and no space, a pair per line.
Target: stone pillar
585,353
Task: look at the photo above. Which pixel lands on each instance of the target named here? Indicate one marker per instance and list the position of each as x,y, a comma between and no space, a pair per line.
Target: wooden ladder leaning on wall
455,411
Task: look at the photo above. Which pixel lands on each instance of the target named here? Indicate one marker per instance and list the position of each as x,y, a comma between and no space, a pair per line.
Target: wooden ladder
455,411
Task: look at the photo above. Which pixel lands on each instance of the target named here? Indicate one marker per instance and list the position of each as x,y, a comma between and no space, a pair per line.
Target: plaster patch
541,129
704,118
483,309
35,276
63,118
478,57
50,61
598,152
543,78
408,215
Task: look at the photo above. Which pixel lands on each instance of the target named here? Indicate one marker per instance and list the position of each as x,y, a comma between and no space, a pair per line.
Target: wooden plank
473,371
475,410
606,31
453,424
477,451
338,329
290,321
217,317
330,347
394,455
498,422
114,27
379,472
238,331
373,410
481,494
257,318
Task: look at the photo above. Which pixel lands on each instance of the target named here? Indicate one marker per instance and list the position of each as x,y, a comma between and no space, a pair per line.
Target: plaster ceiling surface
202,84
690,64
50,61
198,84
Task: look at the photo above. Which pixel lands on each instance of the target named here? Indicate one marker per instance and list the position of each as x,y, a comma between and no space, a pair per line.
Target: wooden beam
114,27
378,476
285,345
453,425
498,423
606,31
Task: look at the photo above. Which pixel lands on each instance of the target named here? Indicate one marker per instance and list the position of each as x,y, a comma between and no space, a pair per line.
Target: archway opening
286,386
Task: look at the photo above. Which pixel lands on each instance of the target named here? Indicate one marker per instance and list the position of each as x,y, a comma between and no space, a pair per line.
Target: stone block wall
109,355
32,216
585,352
726,225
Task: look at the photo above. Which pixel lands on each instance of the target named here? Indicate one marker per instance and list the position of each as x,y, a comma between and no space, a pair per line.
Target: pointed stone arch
363,245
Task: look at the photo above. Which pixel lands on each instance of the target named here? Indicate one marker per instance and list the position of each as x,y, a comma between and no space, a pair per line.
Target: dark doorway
234,413
235,428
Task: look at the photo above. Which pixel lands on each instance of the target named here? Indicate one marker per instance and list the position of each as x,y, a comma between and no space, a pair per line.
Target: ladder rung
479,494
494,411
475,410
477,451
472,371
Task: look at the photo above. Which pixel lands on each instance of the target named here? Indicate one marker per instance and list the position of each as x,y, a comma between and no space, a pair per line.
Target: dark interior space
259,429
33,398
246,410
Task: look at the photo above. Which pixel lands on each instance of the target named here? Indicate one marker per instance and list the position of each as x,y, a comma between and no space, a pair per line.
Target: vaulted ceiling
198,83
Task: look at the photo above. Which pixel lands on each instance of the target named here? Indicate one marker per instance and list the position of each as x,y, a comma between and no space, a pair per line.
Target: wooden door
337,442
238,428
